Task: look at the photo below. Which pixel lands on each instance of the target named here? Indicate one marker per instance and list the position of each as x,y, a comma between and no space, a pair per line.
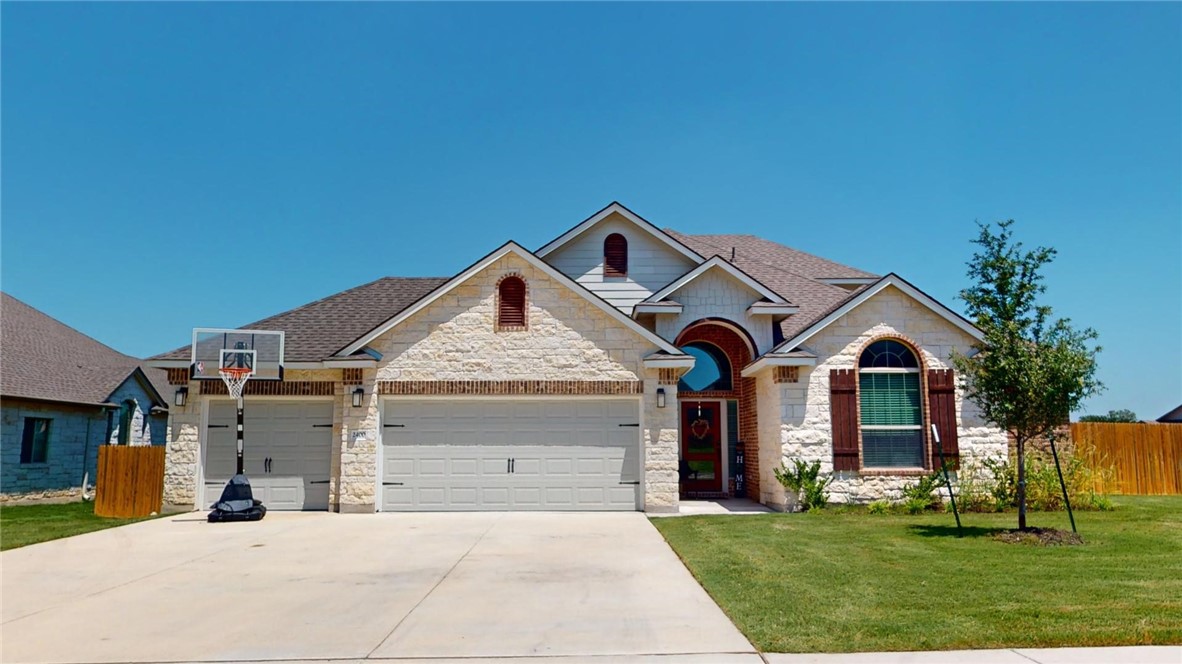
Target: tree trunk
1021,484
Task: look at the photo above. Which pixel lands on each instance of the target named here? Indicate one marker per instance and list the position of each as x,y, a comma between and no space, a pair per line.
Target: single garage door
296,438
511,455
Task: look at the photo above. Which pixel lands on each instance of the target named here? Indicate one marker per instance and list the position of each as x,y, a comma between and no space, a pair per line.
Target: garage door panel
567,455
292,434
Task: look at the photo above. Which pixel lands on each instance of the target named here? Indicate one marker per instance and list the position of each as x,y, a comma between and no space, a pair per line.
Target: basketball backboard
259,350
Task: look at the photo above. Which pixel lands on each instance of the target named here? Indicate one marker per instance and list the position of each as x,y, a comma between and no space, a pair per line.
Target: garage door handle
318,482
393,426
637,482
321,426
219,426
391,483
630,425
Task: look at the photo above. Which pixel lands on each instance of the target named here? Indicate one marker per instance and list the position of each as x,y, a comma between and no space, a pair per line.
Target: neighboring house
619,366
1174,416
62,395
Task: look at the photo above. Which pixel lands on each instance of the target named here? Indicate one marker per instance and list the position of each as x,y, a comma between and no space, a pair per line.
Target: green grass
21,525
848,582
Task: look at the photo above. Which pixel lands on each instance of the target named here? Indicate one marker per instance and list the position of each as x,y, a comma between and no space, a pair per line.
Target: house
62,395
618,367
1172,417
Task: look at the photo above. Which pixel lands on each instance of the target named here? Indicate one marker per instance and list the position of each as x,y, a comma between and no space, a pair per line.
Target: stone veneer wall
805,428
75,434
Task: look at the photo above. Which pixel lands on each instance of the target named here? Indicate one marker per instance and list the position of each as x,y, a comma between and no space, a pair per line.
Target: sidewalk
1117,655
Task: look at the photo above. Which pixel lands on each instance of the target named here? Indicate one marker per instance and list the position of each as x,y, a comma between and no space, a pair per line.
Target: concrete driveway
328,586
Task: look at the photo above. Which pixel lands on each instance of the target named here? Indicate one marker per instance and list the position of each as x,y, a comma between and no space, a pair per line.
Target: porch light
358,394
182,395
660,397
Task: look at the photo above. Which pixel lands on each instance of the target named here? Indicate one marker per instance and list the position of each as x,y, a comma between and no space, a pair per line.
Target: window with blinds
890,406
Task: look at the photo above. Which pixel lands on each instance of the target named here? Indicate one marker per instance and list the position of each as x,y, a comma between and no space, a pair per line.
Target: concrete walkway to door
327,586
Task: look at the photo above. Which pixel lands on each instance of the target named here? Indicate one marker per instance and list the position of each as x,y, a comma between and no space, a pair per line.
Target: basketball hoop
235,379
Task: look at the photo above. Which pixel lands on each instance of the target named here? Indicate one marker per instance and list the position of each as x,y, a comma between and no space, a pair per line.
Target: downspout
86,458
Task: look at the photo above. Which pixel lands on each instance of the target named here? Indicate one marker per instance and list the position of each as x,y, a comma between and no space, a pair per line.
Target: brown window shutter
843,410
511,312
615,256
942,401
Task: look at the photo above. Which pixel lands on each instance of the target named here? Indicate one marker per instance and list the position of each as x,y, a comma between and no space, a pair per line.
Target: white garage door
296,438
511,455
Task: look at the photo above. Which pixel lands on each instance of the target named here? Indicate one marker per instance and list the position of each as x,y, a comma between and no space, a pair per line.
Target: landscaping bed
848,580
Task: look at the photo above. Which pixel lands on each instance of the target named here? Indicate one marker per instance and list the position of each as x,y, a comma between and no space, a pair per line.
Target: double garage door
510,455
287,452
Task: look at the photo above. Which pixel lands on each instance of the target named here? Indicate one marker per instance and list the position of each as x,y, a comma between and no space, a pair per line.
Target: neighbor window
615,256
511,303
891,405
126,413
35,442
712,370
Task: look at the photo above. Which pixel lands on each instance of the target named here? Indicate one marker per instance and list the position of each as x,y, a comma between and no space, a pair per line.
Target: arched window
891,403
712,370
511,304
615,256
126,415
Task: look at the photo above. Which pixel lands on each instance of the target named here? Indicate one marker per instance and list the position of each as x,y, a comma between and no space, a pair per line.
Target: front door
701,446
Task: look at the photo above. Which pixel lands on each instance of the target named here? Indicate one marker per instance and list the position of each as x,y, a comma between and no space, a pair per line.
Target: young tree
1030,371
1122,415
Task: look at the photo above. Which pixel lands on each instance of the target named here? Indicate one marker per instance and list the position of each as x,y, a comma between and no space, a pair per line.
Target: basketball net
235,379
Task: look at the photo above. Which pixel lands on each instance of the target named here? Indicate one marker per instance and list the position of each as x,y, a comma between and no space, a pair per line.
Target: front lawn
846,582
21,525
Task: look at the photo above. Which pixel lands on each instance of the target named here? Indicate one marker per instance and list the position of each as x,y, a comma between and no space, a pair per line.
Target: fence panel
1146,458
130,481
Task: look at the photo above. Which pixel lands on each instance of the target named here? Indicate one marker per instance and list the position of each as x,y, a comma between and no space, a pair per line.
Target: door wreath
700,428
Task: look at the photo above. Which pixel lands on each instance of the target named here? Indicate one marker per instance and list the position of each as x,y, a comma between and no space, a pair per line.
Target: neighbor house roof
1172,416
45,359
318,329
793,274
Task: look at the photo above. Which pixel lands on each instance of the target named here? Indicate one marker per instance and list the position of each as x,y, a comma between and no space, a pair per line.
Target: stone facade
805,428
75,433
452,346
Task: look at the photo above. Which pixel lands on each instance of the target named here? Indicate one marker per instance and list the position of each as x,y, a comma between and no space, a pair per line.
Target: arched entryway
719,448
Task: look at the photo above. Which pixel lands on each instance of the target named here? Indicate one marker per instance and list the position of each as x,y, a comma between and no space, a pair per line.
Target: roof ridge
792,249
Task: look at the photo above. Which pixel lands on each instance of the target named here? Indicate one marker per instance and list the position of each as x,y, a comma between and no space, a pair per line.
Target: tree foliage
1030,370
1122,415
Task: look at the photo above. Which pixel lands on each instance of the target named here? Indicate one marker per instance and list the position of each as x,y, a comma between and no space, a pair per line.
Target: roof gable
719,264
615,208
477,267
861,296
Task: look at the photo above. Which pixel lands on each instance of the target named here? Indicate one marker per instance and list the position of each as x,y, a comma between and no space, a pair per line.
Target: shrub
916,505
924,490
802,480
879,507
994,486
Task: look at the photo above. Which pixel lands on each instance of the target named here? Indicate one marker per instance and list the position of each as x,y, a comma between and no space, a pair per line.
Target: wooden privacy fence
1145,458
130,480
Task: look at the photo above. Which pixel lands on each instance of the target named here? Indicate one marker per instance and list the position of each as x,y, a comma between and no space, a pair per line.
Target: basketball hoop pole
240,462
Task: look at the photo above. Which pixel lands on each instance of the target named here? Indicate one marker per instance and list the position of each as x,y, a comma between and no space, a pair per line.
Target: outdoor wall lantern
357,396
182,395
660,397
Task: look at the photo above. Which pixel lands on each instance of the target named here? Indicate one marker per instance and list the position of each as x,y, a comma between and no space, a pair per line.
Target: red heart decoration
700,428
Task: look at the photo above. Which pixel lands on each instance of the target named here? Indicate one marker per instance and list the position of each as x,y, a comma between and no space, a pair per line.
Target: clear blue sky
148,149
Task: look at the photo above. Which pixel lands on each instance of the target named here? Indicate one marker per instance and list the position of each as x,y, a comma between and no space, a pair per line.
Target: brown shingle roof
43,358
318,329
791,273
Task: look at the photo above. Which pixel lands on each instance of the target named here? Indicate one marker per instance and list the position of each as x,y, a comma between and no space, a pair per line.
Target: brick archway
739,349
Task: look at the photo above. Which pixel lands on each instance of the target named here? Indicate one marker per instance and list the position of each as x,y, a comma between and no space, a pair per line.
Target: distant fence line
1145,458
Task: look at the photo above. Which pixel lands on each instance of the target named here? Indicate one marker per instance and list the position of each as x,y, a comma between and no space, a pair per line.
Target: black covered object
237,503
